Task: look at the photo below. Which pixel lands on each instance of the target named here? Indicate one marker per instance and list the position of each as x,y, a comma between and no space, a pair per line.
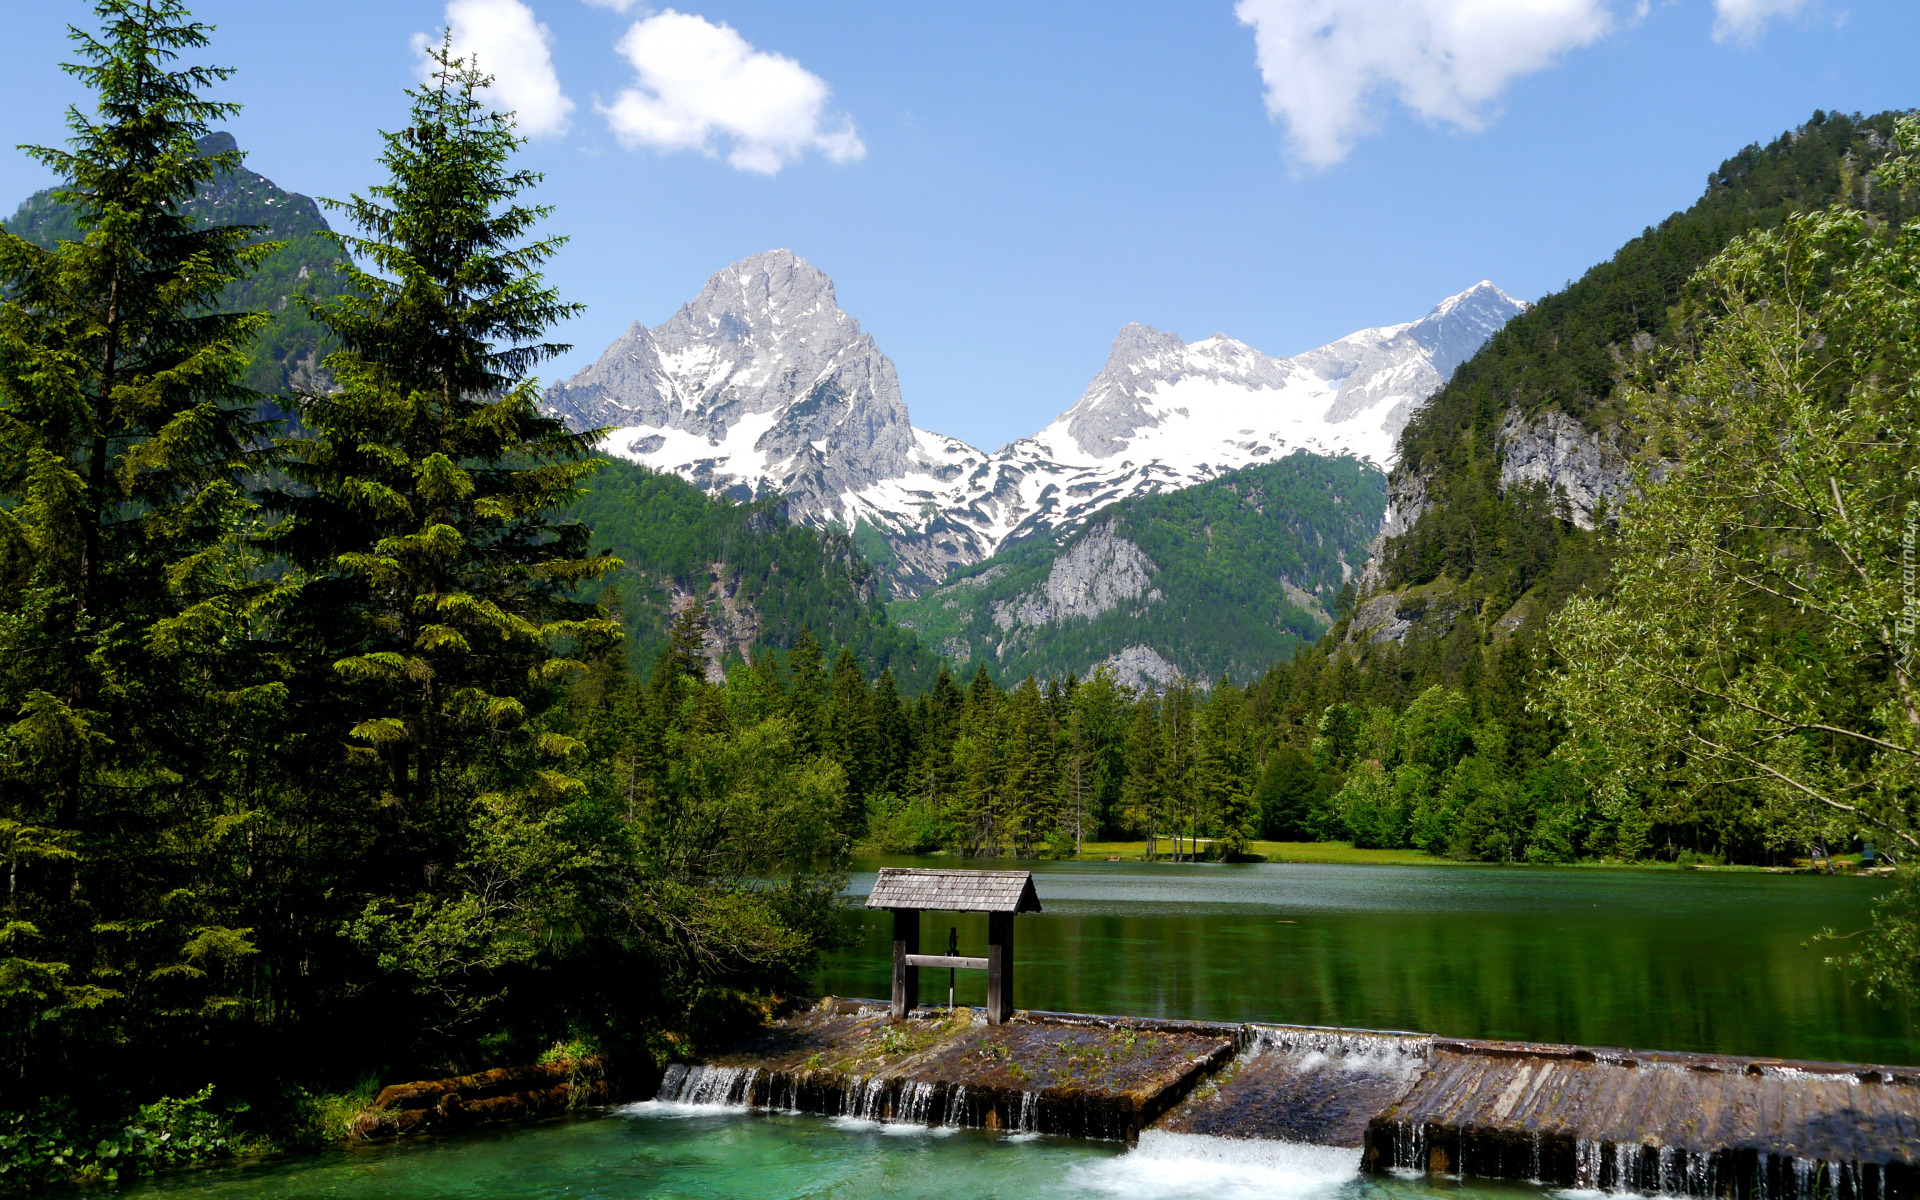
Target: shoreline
1345,854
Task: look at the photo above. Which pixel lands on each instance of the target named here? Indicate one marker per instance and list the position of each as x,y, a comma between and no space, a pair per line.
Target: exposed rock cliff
1093,576
1141,667
1554,449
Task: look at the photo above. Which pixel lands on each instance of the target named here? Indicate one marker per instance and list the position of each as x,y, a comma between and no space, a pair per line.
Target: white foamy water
1180,1164
677,1110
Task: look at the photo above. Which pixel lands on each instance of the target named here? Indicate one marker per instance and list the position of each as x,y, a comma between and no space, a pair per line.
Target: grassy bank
1346,853
1294,852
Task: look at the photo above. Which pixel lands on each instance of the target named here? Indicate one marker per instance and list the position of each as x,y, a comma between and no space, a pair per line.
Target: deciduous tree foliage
1757,643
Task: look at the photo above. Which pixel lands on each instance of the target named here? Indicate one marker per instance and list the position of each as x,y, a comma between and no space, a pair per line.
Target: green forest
363,723
1225,554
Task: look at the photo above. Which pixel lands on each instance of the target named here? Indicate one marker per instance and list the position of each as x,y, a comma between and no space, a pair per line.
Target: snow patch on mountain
762,384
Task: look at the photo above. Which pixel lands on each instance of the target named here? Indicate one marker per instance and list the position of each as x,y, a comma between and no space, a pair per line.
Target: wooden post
906,979
999,967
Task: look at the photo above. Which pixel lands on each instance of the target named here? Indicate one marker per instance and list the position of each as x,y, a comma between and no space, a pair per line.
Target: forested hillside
1223,578
289,341
760,579
1568,352
1467,594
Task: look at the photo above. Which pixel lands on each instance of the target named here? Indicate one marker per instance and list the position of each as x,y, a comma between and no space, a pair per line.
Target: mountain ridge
762,384
287,352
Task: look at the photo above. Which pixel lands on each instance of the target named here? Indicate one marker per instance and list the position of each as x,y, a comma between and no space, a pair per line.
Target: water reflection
1653,959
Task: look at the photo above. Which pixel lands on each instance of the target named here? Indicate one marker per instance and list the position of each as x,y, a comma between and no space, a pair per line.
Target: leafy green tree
1288,796
1757,644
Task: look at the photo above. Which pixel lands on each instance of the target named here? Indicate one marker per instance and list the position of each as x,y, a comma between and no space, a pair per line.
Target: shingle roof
954,891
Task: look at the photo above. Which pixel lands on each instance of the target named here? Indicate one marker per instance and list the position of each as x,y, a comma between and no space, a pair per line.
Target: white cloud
1328,63
1743,20
507,43
699,84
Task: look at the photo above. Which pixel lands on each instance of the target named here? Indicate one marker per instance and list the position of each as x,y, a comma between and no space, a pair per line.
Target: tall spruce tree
124,430
438,576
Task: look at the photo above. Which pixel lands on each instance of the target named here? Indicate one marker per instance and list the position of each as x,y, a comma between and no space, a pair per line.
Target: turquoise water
660,1153
1669,960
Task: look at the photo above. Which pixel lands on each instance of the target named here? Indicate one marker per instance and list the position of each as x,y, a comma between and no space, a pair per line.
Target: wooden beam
947,960
999,967
906,972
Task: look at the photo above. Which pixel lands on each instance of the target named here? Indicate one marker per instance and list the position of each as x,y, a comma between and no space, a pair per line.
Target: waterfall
704,1085
916,1102
1028,1108
957,1106
1586,1165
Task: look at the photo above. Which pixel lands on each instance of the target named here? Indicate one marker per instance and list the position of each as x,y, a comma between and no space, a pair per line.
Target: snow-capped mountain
763,383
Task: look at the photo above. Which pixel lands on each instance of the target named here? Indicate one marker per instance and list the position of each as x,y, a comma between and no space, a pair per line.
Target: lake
1653,959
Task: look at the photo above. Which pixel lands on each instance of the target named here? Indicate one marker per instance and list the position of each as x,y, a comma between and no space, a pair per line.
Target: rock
1554,449
1406,500
1379,620
1093,576
1140,667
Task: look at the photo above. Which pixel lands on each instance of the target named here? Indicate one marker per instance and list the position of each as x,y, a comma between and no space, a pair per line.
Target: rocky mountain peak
1459,324
764,298
761,383
1136,343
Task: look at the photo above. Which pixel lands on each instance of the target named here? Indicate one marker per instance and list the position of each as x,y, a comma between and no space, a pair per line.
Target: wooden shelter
909,891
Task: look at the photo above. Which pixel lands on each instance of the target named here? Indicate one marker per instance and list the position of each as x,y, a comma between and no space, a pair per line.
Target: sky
996,188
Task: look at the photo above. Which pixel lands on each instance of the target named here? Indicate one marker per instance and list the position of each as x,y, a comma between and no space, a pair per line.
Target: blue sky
996,188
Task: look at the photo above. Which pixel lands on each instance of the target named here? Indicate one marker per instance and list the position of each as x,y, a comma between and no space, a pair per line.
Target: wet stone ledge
1308,1086
1653,1122
1566,1116
1039,1073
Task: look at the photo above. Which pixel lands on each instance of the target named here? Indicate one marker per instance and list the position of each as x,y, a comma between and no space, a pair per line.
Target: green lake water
1655,960
1668,960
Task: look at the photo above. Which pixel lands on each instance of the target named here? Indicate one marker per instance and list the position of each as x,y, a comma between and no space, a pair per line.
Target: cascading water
704,1085
916,1102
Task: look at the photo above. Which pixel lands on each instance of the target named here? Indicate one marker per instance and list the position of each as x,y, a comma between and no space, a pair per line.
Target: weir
1568,1116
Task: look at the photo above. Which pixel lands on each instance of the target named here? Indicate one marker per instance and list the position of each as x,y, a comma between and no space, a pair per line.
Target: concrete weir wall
1568,1116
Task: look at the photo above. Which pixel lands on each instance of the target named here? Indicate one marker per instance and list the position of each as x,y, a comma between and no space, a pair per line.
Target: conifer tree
1176,767
438,573
1223,768
435,482
1144,793
892,735
1030,788
124,429
809,691
979,764
850,727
